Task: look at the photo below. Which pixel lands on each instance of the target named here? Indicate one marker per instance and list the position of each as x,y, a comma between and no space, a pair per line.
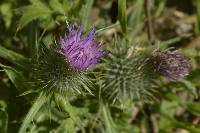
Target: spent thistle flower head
81,52
171,64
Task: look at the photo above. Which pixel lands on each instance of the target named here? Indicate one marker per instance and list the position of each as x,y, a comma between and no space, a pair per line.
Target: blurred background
171,23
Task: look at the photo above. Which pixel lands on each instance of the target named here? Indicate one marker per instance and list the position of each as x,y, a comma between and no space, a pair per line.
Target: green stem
108,119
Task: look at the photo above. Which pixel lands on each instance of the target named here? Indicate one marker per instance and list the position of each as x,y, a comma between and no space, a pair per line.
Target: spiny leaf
16,78
12,56
189,87
67,107
73,112
33,11
57,6
39,102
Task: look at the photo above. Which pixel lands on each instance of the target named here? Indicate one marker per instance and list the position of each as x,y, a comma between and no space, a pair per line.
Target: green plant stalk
122,15
108,119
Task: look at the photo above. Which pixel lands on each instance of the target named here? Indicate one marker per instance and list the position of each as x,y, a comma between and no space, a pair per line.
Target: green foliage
13,57
46,12
190,87
57,6
194,108
34,11
6,11
17,78
39,92
3,117
39,102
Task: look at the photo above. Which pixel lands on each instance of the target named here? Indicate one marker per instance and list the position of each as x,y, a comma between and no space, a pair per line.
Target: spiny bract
53,73
127,73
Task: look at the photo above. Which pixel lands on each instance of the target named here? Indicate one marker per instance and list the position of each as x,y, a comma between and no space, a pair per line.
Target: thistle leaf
13,57
189,87
16,78
73,112
33,11
39,102
57,6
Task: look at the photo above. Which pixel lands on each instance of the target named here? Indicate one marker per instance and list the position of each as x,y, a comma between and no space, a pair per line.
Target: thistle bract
171,64
127,74
81,52
52,73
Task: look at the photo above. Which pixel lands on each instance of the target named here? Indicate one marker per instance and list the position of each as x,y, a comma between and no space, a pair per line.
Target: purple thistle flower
82,52
171,64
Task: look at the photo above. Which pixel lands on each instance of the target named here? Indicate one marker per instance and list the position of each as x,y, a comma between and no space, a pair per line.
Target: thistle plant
61,71
171,64
63,85
128,73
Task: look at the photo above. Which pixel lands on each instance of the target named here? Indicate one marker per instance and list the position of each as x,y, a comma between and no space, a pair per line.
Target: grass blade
86,10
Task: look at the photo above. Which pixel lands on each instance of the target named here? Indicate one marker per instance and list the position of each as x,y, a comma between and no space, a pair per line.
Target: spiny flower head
81,52
171,64
127,73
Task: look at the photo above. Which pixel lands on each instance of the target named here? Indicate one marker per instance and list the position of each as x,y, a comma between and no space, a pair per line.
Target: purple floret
82,52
